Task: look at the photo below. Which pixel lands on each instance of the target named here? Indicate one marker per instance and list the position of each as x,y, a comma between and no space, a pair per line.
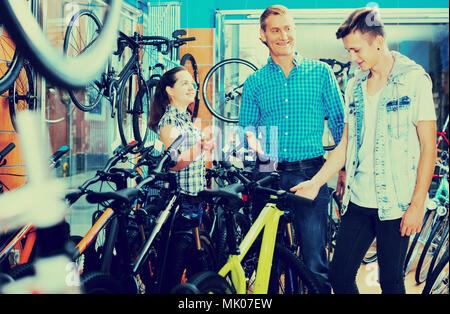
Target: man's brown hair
277,9
366,20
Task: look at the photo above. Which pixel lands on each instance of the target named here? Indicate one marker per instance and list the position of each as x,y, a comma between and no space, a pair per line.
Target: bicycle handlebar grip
59,153
6,150
266,180
187,39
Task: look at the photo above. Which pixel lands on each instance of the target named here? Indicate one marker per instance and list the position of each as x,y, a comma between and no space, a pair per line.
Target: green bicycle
278,270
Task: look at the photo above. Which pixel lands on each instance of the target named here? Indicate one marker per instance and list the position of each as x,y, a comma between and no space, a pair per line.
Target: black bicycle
126,91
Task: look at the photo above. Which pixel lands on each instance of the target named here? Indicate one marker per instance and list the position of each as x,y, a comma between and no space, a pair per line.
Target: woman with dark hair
169,118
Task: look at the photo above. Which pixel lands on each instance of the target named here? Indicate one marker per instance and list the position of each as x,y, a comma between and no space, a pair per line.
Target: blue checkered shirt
288,113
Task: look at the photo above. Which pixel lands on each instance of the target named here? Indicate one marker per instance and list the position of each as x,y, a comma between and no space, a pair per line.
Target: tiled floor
367,280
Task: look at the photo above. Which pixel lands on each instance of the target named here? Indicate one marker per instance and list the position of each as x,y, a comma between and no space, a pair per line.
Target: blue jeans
310,223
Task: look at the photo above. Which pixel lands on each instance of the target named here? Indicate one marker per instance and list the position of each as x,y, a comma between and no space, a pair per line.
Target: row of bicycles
140,243
90,43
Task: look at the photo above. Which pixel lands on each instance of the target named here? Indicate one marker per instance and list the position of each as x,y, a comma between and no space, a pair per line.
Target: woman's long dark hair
160,99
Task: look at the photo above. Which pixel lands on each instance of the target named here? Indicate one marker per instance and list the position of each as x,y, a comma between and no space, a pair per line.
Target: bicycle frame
267,220
27,231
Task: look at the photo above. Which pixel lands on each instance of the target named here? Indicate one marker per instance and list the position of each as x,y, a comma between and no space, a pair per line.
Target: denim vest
397,149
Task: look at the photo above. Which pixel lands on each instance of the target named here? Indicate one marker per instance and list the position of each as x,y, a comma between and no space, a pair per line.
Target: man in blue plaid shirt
287,101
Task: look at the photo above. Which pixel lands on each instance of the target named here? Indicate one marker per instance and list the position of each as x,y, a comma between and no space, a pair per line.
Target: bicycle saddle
228,194
125,196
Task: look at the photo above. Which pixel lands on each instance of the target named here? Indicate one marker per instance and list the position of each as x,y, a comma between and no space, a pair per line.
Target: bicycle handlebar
333,62
5,151
119,153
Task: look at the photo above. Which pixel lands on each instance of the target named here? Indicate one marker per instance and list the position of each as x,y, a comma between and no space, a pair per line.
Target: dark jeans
359,227
310,223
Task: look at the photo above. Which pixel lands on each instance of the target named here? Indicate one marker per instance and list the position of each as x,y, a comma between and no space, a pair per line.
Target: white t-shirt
363,189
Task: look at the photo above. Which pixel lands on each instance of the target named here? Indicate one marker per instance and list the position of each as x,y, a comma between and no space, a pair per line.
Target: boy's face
363,48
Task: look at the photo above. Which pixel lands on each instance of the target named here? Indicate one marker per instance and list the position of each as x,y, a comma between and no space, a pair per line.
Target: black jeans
359,227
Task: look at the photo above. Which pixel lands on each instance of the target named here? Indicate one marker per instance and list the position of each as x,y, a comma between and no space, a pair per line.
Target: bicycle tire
423,263
88,97
184,262
13,68
220,236
124,108
46,59
414,248
208,282
437,282
441,248
287,265
141,112
190,58
21,94
232,114
99,283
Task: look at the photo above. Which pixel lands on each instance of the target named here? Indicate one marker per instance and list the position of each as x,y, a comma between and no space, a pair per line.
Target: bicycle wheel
46,59
242,224
437,282
209,282
11,61
186,260
99,283
83,29
423,265
132,108
21,94
440,250
290,275
418,240
189,62
222,88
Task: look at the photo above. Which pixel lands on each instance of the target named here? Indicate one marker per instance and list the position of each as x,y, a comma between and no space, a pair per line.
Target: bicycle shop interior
222,29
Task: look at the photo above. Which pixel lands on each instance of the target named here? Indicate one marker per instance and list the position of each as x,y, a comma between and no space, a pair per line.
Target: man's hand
306,189
412,220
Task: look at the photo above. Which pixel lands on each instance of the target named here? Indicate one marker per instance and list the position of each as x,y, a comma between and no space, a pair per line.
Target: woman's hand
208,144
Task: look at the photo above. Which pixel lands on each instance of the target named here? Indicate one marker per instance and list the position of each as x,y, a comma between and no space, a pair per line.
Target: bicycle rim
82,31
21,94
438,282
222,88
61,70
423,265
124,105
10,61
189,62
141,108
289,275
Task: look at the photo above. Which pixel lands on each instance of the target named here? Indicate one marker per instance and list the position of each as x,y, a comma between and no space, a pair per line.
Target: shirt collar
297,59
175,111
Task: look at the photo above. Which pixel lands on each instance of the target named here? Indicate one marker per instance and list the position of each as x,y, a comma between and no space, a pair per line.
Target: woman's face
184,90
363,49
